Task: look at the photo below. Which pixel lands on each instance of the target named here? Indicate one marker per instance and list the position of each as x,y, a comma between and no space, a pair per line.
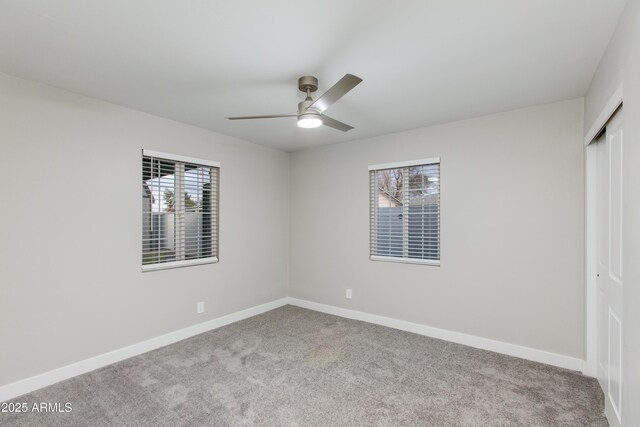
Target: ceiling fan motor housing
304,107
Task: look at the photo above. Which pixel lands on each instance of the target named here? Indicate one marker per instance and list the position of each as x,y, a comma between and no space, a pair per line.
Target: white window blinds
405,211
179,211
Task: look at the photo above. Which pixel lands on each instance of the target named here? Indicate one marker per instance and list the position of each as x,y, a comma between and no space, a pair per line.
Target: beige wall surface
512,215
621,65
70,242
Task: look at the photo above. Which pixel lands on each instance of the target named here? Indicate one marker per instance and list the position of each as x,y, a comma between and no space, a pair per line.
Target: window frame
179,159
373,204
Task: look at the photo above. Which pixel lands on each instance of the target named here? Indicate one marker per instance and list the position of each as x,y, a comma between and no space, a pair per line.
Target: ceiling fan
310,112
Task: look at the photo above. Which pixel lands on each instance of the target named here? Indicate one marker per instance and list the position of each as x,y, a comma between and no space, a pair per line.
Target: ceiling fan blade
275,116
333,123
335,92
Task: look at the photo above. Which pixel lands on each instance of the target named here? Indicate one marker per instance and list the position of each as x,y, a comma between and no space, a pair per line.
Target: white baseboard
522,352
589,369
28,385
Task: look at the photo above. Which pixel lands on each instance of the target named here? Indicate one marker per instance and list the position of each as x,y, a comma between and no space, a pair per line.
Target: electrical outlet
200,307
349,294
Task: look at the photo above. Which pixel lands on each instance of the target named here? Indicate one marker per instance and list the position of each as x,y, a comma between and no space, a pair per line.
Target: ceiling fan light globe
308,121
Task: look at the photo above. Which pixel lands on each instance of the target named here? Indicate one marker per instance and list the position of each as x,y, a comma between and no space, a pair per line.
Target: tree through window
180,211
405,211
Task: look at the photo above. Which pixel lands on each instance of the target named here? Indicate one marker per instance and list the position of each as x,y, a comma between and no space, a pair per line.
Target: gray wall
70,242
621,64
512,191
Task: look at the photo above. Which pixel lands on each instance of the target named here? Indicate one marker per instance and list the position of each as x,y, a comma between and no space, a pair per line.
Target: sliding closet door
609,255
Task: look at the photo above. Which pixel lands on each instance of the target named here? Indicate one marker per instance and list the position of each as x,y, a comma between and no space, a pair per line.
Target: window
405,211
179,211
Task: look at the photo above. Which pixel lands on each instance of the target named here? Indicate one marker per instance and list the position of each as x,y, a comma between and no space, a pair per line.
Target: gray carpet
293,366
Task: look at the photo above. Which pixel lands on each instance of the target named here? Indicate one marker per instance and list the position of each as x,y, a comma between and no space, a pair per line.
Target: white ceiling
199,61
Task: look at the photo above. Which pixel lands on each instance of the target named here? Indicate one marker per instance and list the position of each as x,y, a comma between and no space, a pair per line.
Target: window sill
178,264
405,260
